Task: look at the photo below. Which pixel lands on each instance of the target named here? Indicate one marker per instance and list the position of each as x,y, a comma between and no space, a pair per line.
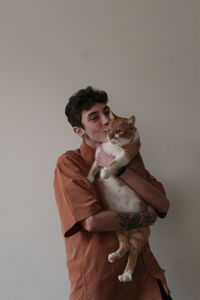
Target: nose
105,120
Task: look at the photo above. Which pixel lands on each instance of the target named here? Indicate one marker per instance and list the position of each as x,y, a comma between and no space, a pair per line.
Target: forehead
95,109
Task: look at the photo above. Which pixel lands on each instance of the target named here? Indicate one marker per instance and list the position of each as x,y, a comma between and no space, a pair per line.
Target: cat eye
117,131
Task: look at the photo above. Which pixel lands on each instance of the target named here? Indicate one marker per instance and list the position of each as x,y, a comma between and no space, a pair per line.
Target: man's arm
154,196
146,191
108,220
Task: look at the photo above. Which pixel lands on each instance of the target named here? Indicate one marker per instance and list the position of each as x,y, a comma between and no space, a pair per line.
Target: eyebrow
96,112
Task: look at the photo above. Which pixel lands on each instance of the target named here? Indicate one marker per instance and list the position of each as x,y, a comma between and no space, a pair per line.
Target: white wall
145,54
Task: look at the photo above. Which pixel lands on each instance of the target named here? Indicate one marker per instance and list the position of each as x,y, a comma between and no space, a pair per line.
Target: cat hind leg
127,275
123,247
137,239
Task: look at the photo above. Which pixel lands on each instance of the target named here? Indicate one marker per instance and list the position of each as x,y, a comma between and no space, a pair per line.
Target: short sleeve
76,197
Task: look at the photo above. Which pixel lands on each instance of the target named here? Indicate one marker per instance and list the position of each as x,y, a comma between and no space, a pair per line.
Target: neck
92,144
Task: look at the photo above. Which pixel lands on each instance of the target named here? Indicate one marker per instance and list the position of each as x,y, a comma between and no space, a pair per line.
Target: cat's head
121,130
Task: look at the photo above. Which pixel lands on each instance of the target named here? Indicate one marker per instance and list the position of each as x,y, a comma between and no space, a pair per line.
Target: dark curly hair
84,99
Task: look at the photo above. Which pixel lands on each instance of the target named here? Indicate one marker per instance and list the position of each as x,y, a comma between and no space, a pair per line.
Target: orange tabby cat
118,196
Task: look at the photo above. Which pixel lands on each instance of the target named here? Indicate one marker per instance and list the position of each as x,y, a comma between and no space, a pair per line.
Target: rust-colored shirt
92,277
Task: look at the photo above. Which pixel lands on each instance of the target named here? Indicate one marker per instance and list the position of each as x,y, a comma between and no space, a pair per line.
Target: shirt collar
87,153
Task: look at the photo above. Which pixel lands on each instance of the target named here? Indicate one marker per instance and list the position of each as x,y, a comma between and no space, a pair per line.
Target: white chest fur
119,197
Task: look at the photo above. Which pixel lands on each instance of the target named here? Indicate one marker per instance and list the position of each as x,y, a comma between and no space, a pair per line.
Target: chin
104,140
101,139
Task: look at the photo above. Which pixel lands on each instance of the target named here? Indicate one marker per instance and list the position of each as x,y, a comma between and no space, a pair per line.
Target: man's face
96,121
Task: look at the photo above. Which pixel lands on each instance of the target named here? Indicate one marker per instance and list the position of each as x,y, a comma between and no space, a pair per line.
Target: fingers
103,159
149,218
150,209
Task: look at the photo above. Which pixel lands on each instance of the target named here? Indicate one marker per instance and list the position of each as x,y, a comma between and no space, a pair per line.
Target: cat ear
131,121
112,116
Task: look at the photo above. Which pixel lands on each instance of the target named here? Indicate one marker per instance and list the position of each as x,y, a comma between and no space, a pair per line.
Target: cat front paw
90,177
105,173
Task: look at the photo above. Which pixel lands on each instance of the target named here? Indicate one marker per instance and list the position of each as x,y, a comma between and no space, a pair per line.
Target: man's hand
103,159
136,220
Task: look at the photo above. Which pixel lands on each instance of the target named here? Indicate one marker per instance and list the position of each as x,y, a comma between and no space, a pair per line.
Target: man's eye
94,118
107,112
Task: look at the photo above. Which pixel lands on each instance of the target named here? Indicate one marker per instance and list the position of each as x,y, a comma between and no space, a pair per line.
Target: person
88,228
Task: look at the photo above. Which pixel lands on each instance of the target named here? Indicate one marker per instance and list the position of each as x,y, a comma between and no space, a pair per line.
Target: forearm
146,191
133,149
109,220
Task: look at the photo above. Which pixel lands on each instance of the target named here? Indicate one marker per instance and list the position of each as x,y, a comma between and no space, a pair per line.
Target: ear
112,116
78,130
131,121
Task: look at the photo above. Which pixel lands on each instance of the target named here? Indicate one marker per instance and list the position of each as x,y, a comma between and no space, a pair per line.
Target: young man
89,229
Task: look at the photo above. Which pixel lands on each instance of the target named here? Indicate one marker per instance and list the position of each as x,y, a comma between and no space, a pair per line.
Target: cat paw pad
126,277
